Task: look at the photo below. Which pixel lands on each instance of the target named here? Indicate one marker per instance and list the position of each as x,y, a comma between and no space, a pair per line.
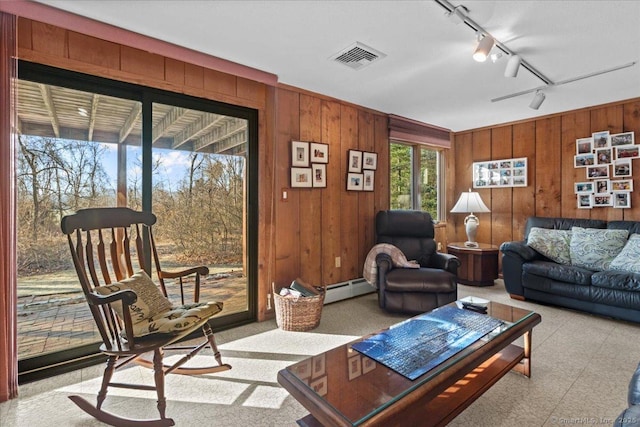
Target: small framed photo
621,185
628,152
585,201
602,186
354,181
368,177
318,366
355,161
355,367
368,365
622,200
601,139
626,138
602,200
299,154
319,153
584,145
584,187
594,172
584,160
319,173
622,168
319,385
604,156
369,160
301,177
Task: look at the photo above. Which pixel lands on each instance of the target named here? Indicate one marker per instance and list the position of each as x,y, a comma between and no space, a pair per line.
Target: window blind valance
414,131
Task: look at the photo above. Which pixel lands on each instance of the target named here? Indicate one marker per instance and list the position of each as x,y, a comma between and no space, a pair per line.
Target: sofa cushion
150,300
614,279
561,273
628,258
430,280
595,248
554,244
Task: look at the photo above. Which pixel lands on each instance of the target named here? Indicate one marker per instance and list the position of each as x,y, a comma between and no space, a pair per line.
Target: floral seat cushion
153,313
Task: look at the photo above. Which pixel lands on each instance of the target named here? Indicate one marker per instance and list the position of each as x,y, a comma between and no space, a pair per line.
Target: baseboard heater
348,289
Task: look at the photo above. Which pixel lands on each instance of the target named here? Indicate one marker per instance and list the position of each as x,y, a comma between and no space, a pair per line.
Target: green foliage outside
199,217
401,171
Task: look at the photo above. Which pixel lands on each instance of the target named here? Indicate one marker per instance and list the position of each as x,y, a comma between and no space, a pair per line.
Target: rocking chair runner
132,314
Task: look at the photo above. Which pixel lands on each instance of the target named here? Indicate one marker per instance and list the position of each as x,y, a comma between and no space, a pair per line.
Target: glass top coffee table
342,387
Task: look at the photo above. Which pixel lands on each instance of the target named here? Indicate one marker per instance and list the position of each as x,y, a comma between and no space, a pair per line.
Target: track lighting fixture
458,14
512,66
537,100
483,49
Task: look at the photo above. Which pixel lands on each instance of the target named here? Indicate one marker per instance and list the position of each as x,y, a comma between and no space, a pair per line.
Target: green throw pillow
594,248
629,258
554,244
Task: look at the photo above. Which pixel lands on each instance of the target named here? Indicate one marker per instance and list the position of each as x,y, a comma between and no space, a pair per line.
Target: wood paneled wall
298,237
549,144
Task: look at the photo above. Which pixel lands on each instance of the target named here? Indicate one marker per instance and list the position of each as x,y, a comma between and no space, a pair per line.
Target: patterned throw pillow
629,258
150,301
594,248
554,244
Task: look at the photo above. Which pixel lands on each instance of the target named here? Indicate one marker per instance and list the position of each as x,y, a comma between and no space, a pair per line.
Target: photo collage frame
607,160
361,166
309,164
500,173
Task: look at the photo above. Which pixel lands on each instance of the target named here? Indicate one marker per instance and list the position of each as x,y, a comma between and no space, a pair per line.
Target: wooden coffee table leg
525,365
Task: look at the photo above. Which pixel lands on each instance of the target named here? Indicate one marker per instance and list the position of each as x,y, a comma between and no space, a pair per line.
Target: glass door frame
46,365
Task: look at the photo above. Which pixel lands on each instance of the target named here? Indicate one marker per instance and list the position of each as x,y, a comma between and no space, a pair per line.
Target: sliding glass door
90,142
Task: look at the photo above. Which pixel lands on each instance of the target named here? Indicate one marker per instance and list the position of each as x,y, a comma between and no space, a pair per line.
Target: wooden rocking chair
133,315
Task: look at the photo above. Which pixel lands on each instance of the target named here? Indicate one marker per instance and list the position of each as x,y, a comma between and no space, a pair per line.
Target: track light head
512,66
484,47
537,100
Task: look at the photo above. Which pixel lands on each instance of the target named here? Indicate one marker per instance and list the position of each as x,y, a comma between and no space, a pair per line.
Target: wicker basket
298,314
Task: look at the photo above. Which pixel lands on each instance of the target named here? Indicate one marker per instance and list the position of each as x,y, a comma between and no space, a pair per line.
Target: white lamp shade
483,49
470,202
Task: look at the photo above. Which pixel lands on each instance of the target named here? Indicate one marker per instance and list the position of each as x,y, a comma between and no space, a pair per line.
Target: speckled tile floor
581,368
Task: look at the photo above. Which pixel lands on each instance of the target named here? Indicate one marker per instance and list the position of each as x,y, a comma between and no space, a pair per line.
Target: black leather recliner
411,290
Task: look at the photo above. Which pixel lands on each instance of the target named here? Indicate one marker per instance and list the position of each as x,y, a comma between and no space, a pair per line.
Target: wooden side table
478,266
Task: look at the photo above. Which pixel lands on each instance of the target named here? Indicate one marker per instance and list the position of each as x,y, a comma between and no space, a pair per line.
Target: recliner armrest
520,250
444,261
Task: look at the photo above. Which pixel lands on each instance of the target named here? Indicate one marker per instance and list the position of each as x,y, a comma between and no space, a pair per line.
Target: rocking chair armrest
202,271
127,296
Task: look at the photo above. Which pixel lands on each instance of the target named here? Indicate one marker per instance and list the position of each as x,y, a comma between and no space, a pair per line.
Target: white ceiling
428,73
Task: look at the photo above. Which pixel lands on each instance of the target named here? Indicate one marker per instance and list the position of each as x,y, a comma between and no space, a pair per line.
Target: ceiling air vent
358,56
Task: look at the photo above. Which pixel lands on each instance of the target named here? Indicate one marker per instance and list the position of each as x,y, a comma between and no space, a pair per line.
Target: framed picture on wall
369,160
585,201
319,153
299,154
626,138
355,161
595,172
584,160
301,177
604,156
354,181
584,187
621,200
319,173
627,152
622,168
368,180
584,145
602,186
602,200
601,139
621,185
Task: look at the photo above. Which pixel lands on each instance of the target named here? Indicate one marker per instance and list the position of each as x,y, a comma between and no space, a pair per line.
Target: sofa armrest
384,265
514,255
519,249
444,261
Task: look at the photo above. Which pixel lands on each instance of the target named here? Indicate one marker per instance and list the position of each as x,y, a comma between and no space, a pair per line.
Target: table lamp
470,202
